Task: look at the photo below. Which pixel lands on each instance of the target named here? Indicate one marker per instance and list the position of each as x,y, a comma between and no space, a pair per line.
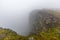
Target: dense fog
15,14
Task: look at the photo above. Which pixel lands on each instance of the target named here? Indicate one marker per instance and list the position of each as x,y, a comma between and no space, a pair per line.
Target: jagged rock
46,25
44,19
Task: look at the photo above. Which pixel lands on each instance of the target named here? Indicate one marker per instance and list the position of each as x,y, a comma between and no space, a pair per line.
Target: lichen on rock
46,25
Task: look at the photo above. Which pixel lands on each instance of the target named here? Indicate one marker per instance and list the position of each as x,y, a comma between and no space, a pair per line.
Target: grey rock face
41,20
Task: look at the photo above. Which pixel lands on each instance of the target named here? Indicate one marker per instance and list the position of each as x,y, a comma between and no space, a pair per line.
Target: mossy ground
50,34
7,34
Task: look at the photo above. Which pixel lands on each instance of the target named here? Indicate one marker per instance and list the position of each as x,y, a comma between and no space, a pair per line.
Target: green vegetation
50,34
7,34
